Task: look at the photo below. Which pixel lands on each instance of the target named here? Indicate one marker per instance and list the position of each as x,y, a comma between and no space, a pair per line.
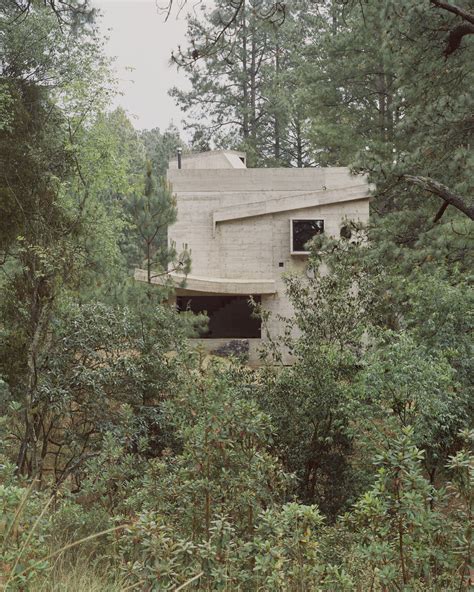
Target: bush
24,534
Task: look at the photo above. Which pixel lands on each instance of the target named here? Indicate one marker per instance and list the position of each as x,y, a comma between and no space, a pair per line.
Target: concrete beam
211,285
292,201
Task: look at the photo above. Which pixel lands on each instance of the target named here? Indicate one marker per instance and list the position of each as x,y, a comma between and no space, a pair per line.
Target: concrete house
247,227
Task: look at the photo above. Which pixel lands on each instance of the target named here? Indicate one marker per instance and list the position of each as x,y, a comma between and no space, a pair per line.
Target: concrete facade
236,222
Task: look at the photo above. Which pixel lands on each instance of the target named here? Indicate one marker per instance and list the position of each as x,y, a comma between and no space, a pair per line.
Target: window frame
292,220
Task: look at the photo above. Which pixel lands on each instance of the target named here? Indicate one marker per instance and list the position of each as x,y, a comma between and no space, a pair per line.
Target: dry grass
81,575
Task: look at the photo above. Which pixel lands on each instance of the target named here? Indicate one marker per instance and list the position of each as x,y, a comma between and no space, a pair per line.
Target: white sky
140,39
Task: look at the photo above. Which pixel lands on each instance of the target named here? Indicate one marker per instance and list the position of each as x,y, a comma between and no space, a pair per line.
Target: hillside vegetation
130,462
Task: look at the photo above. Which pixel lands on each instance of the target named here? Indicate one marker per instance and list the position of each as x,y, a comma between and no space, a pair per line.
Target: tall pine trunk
245,83
277,127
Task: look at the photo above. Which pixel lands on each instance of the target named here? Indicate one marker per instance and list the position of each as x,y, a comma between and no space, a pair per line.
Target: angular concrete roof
211,160
289,202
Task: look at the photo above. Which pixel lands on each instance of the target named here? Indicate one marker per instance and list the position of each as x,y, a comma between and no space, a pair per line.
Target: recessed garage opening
229,316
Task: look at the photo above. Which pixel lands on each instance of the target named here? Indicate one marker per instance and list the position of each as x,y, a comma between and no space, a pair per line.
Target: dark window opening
242,158
229,316
302,231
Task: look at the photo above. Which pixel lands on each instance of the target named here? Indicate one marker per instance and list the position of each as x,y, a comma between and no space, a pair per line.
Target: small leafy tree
224,466
405,532
461,488
203,504
106,372
310,402
286,548
403,384
25,532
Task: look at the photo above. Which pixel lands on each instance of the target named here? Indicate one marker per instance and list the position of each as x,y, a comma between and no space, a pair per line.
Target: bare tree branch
458,33
275,13
440,212
464,14
456,36
444,193
66,11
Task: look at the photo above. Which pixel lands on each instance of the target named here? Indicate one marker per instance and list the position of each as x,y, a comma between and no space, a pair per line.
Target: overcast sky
140,39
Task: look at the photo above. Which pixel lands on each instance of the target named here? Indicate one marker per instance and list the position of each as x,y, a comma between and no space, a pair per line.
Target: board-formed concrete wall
216,159
236,222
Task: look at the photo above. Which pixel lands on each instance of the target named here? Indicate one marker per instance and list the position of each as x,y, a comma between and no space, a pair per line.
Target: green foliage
152,213
224,467
311,402
403,528
286,548
349,83
461,466
199,471
438,311
246,88
334,304
281,555
310,406
409,386
105,371
161,147
24,533
203,511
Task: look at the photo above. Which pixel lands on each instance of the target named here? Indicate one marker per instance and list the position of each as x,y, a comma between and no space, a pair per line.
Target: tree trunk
148,261
253,85
245,90
276,128
28,462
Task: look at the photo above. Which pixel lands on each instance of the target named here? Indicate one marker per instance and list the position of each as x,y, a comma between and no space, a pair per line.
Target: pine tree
152,212
246,88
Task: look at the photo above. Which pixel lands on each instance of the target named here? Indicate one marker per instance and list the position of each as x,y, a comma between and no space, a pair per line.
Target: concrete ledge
211,285
289,202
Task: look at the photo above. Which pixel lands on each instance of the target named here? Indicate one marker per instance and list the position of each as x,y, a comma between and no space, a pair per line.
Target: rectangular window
229,316
302,231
